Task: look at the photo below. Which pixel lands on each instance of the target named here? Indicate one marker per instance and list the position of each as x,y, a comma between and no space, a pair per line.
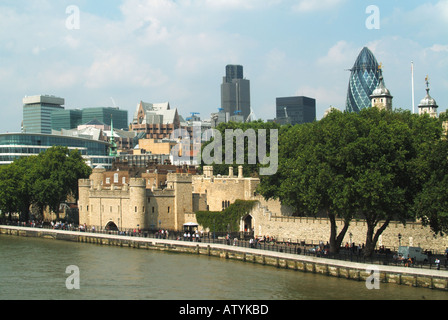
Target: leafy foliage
44,180
230,217
370,164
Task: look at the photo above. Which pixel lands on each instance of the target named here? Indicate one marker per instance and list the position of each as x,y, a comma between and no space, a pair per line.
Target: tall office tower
364,78
37,113
235,93
296,110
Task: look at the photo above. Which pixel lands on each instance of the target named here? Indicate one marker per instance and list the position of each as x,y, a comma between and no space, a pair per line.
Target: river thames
35,269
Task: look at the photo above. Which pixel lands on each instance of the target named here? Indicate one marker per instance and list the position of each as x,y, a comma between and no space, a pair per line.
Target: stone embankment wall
424,278
314,230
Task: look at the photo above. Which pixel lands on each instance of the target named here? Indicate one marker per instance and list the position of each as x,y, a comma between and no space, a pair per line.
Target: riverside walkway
418,277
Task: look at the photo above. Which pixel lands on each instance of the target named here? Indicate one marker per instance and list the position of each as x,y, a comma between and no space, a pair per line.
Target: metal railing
239,239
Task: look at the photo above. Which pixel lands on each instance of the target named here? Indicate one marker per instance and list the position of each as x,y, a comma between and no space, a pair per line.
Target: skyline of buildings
45,118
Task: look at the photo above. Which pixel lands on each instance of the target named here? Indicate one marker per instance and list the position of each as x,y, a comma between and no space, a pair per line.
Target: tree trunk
372,236
336,239
333,231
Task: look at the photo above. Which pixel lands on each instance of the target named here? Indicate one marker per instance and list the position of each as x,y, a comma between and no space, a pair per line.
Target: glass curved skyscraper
364,78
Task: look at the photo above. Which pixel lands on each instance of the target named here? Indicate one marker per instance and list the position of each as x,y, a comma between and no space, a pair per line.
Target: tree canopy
370,165
47,179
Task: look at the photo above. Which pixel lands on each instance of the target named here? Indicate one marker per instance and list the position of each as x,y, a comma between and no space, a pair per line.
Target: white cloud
313,5
439,48
342,54
123,69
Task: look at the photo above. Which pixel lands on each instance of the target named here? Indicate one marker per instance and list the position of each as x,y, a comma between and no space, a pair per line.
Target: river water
34,268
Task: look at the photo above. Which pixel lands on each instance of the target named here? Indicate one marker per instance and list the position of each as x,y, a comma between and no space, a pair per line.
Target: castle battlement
179,177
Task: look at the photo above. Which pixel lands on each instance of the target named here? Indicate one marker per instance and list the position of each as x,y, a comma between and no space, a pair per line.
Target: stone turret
381,97
428,104
183,201
83,201
97,178
137,204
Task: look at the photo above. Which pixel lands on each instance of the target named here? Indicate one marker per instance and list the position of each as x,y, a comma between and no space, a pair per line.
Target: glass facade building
105,115
295,110
66,119
17,145
37,112
71,119
364,78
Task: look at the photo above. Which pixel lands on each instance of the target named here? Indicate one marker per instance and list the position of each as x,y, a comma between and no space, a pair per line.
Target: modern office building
105,115
66,119
235,93
37,112
295,110
17,145
364,79
72,118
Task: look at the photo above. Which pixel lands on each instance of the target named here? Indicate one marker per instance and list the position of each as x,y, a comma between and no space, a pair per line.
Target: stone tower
135,217
84,186
428,104
381,97
183,201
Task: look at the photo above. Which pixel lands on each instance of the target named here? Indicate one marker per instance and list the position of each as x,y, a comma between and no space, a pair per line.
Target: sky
101,53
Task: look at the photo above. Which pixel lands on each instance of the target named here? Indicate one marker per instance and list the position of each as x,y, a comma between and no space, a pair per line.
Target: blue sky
176,51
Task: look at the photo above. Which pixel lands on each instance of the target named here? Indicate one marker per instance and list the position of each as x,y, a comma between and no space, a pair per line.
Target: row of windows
93,147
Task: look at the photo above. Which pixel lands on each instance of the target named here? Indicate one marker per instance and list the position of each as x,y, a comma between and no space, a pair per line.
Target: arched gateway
111,226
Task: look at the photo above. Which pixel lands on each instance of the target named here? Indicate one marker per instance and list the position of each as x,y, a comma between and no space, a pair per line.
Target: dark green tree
15,187
431,204
369,164
55,177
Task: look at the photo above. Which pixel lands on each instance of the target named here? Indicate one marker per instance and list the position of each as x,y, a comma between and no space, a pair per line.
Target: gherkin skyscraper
364,78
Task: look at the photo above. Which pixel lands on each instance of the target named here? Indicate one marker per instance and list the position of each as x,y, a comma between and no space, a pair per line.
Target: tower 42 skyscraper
235,92
364,78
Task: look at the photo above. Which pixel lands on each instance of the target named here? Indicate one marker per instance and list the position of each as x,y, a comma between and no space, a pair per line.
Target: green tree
431,204
308,178
55,177
368,164
15,184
